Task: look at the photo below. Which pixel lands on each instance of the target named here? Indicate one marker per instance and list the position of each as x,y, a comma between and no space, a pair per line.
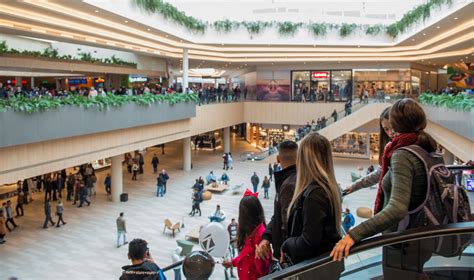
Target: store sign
320,75
137,79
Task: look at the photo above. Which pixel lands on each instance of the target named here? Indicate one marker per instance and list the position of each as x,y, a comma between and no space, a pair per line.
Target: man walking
47,214
9,212
70,186
155,161
121,230
19,204
108,184
255,180
225,157
166,178
285,181
59,212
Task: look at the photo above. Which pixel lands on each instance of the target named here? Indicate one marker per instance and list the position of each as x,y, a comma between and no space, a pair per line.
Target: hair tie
248,192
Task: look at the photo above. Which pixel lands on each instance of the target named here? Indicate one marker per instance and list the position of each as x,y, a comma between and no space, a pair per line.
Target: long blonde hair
314,164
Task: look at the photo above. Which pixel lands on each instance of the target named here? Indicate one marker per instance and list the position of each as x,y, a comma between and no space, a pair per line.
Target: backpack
445,203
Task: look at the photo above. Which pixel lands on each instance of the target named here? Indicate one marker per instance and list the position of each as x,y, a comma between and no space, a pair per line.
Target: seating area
173,228
217,188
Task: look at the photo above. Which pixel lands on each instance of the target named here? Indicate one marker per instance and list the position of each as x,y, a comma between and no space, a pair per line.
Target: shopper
334,115
83,193
141,162
211,178
218,215
143,266
270,171
403,186
285,181
19,204
59,213
77,190
315,209
155,161
265,186
196,201
373,177
47,214
135,169
176,257
348,220
225,178
70,186
160,185
166,177
9,214
3,228
121,230
108,184
225,158
249,234
255,181
230,161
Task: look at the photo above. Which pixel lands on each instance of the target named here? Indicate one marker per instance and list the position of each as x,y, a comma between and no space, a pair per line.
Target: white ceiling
335,11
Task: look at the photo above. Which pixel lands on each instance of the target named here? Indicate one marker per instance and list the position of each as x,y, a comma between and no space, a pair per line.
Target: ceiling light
181,41
148,29
413,40
222,44
467,57
314,46
424,34
126,21
456,18
96,11
358,46
438,27
272,63
166,35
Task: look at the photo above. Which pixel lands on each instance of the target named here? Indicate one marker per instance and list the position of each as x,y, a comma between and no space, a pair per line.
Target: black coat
311,226
144,271
275,232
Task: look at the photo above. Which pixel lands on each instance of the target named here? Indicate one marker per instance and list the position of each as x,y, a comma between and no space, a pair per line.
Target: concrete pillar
185,69
18,81
187,154
448,157
32,82
226,139
117,177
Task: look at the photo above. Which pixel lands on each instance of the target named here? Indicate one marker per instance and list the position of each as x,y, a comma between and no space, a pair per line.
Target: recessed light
166,35
456,18
358,46
181,41
148,29
245,64
96,11
126,21
304,62
314,46
272,63
413,40
467,57
424,34
222,44
438,27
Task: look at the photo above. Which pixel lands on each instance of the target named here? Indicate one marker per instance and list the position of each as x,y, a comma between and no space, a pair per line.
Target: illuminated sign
137,79
320,75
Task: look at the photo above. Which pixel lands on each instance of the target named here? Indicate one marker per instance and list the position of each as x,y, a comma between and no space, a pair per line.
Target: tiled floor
85,247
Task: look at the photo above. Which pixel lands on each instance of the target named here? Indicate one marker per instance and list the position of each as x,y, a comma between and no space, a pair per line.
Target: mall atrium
122,120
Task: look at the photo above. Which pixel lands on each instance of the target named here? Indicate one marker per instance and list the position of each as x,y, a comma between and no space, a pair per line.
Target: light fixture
126,21
413,40
96,11
166,35
438,27
467,57
222,44
456,18
424,34
148,29
358,46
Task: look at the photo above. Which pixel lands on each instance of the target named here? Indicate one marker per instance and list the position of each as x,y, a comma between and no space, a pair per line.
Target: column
187,154
185,69
32,82
226,139
117,177
18,81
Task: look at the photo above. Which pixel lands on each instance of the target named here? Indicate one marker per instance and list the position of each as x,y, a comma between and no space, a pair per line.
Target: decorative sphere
198,265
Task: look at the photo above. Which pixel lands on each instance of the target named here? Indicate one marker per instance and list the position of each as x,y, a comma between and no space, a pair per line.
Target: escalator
389,257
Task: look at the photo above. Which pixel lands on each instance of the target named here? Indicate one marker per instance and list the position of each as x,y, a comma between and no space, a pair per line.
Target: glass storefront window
320,85
382,82
341,85
301,82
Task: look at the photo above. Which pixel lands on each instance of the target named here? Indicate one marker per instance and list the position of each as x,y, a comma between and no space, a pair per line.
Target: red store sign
320,75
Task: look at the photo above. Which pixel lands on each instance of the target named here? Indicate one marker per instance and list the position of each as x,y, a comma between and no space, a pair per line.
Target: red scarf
398,141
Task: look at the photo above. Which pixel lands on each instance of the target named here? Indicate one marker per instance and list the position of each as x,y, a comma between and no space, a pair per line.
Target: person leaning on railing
402,187
385,137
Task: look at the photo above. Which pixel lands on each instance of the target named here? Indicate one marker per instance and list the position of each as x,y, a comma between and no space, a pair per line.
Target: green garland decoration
287,28
420,12
347,29
459,102
52,53
45,103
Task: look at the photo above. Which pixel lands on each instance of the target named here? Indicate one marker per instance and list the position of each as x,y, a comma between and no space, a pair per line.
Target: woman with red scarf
249,234
403,183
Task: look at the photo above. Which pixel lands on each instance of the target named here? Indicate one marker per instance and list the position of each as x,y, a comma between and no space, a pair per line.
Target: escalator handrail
378,241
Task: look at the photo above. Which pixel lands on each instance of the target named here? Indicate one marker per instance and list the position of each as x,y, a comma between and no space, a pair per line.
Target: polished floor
85,247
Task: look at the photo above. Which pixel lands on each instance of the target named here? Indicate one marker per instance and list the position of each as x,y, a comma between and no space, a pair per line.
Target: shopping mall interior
111,107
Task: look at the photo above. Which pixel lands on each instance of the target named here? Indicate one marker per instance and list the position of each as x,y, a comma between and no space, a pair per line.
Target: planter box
22,128
460,122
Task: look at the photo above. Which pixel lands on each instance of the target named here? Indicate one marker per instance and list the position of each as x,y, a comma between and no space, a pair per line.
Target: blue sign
470,184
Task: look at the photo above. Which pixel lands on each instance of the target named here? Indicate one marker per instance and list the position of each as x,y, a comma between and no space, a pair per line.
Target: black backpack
445,203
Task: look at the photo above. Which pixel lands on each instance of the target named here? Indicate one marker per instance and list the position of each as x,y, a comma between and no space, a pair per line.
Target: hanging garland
168,11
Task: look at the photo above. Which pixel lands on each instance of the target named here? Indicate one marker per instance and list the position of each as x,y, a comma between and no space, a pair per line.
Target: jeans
255,187
18,208
159,191
265,193
48,219
119,234
60,219
215,219
177,274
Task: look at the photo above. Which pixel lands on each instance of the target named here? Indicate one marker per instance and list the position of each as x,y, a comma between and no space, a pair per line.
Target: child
249,235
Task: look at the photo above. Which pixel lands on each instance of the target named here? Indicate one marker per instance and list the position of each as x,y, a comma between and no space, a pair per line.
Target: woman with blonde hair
314,214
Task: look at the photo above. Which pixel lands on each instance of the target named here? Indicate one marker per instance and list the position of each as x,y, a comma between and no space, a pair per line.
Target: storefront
263,136
380,83
84,82
321,85
204,141
363,145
